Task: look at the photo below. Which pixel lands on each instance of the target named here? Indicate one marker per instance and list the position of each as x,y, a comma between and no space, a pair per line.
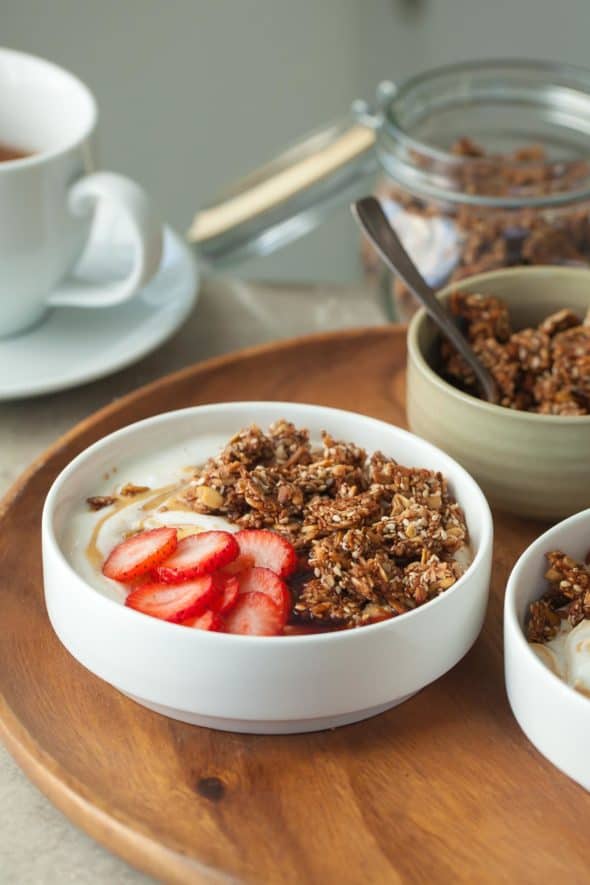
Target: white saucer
72,346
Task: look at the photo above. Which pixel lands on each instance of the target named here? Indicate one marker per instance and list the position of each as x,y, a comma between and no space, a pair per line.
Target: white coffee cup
48,199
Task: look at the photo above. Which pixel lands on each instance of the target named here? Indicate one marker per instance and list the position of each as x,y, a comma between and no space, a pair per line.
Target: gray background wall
194,93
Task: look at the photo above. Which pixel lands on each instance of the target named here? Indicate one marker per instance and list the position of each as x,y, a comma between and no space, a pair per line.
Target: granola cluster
544,370
490,239
375,539
567,597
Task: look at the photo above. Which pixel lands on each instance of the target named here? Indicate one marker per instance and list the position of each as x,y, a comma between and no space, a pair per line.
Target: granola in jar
481,165
452,241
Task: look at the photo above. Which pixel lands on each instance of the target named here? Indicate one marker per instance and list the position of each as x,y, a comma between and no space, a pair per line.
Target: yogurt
91,535
568,655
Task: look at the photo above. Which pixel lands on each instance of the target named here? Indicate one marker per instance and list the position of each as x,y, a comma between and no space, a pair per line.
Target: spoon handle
376,225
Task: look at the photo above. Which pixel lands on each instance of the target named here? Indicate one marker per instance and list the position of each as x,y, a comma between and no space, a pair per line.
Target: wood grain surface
444,788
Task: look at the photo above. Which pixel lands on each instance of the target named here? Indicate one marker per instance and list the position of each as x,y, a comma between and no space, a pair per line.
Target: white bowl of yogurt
549,685
259,684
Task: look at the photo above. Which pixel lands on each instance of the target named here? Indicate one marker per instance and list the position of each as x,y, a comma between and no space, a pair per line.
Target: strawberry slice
255,614
209,620
230,590
198,555
262,580
238,565
139,554
174,602
268,550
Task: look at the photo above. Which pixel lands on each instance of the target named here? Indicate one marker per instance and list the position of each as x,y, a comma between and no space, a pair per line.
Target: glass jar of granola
480,165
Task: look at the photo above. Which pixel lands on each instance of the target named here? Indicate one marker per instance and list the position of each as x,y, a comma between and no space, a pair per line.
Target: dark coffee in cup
9,152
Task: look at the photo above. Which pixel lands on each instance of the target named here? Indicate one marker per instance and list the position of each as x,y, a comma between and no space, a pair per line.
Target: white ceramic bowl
260,684
554,716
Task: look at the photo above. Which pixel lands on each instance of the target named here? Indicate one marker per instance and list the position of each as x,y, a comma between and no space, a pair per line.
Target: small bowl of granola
547,645
531,328
266,567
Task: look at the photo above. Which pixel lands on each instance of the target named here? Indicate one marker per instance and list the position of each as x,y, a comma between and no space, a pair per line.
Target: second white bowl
554,716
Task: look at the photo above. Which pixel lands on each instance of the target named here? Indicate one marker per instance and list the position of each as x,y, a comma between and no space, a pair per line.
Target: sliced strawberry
255,614
139,554
238,565
198,555
268,550
262,580
174,602
209,620
230,590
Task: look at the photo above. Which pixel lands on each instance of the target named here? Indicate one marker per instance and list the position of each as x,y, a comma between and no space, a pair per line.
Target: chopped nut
97,502
130,490
543,622
559,322
209,497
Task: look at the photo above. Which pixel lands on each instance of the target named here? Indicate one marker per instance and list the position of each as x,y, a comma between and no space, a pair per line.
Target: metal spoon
375,224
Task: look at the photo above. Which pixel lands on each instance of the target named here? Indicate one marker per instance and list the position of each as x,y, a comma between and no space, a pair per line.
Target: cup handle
133,202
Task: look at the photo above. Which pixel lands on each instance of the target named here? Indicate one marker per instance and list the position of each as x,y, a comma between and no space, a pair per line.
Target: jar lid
289,196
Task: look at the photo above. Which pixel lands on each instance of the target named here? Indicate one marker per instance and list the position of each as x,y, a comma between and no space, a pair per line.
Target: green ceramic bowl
528,464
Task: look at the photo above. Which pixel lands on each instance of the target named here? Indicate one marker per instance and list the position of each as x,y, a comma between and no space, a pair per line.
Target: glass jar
481,165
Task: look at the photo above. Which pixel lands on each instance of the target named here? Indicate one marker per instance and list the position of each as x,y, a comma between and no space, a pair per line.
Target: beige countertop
38,846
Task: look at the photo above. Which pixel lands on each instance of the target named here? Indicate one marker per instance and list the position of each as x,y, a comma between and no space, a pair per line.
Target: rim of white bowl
48,532
416,354
538,547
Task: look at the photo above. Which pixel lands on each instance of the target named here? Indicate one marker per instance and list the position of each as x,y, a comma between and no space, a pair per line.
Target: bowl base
268,726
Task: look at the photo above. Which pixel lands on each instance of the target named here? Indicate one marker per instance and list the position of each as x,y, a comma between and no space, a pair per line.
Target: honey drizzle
153,498
179,504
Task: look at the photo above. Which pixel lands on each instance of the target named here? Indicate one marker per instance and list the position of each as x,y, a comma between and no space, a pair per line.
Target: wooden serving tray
444,788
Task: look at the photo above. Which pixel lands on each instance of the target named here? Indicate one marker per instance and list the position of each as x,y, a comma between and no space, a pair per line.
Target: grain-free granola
558,626
544,369
374,539
491,238
566,598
